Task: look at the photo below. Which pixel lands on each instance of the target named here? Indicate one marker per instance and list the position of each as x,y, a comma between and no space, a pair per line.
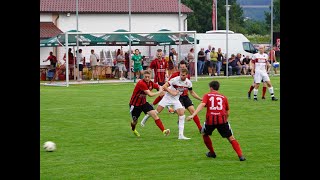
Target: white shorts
165,101
122,67
258,76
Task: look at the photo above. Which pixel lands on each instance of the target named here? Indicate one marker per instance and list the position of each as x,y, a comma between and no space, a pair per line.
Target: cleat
135,132
274,99
249,95
212,155
170,110
263,98
183,137
255,99
166,132
242,158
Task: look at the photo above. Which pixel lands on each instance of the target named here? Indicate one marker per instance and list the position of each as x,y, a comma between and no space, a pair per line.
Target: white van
237,43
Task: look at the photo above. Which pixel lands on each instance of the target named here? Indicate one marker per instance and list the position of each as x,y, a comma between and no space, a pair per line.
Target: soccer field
91,126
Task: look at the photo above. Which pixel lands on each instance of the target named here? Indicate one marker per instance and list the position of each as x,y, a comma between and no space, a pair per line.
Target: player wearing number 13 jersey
216,117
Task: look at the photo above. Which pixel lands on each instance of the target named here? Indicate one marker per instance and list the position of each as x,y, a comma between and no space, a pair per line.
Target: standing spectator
207,60
245,65
53,60
213,62
80,61
218,111
137,66
144,63
70,61
94,59
171,62
235,64
121,65
219,62
176,61
201,59
191,62
259,72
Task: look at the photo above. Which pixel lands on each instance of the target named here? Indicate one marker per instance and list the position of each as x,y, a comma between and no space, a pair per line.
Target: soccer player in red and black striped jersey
138,102
184,98
216,117
160,67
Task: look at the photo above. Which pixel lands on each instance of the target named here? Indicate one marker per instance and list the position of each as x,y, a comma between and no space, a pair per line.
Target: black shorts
80,67
224,129
161,83
135,111
185,101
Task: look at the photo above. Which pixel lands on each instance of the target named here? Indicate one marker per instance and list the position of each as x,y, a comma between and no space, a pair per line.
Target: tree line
201,18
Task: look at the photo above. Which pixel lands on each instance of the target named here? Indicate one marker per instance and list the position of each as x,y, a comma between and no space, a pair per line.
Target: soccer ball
49,146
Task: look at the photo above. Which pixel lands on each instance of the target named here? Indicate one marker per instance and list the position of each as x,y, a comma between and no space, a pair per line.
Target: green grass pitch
91,126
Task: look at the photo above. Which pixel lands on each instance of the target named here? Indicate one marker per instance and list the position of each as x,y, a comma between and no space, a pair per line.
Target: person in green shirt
137,65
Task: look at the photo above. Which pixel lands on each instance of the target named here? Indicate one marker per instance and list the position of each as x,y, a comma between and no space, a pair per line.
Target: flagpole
179,24
129,70
74,69
216,8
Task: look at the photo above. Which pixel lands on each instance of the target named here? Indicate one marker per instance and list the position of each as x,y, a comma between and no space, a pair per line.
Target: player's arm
199,108
194,94
151,94
152,64
252,67
171,91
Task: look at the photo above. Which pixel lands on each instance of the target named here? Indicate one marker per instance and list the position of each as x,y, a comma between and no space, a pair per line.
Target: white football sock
271,91
181,125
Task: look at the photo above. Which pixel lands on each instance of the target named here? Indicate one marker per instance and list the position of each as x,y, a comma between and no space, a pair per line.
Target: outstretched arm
171,91
199,108
195,95
151,94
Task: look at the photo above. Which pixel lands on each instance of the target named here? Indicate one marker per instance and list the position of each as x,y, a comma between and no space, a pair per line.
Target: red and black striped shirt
217,108
175,74
159,66
138,97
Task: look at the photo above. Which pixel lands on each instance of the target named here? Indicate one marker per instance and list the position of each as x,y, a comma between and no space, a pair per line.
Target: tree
276,16
201,18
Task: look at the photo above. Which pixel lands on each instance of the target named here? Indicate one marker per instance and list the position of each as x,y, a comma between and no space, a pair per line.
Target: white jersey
260,62
177,84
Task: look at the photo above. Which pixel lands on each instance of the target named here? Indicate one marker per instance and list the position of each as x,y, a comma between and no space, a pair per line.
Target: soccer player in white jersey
259,72
175,87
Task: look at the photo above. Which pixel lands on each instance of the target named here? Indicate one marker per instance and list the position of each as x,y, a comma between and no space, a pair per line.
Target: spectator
80,61
144,63
223,67
201,59
213,62
219,62
207,60
191,62
70,61
121,64
53,60
245,65
171,61
94,59
235,64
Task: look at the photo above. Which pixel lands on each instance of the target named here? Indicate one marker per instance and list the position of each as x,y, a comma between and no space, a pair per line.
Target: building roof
113,6
48,30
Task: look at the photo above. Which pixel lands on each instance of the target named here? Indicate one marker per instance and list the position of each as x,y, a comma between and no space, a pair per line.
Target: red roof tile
48,30
113,6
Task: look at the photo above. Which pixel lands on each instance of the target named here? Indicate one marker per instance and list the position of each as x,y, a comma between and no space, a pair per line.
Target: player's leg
264,89
207,132
177,106
146,117
271,91
141,73
189,105
226,132
135,113
250,90
257,80
148,109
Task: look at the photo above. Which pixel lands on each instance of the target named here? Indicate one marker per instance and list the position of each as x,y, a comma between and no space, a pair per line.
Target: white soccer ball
50,146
